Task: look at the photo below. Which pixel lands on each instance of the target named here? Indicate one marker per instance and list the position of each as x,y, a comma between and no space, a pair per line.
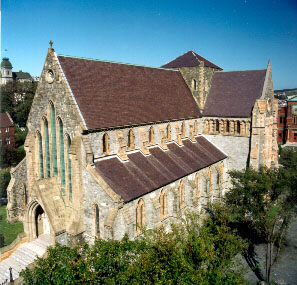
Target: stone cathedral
112,147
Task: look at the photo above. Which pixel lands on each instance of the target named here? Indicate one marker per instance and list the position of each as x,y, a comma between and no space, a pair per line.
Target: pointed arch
194,84
183,130
238,127
217,126
181,190
228,126
54,138
163,204
131,139
151,135
105,144
168,128
196,128
46,148
140,218
68,144
96,220
197,183
62,156
40,155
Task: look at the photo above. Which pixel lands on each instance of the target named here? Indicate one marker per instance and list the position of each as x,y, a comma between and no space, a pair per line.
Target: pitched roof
144,174
5,120
21,75
112,94
189,59
293,99
234,93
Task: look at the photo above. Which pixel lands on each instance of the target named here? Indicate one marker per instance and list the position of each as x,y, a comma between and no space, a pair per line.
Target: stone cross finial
51,43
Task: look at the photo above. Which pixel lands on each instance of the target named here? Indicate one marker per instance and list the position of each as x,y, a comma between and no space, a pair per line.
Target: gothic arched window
68,144
196,128
194,84
131,138
105,144
40,154
140,221
197,181
97,220
46,147
217,126
183,130
168,132
163,204
54,139
238,127
151,136
181,189
227,126
62,158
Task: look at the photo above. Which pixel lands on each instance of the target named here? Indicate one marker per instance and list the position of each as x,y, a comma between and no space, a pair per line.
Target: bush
4,181
191,253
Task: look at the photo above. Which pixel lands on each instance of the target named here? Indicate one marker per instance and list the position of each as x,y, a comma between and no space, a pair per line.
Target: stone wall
118,138
17,193
95,194
237,149
196,198
203,77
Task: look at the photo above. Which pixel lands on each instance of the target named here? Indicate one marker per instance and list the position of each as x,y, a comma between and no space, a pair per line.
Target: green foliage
261,205
192,253
4,181
16,98
20,136
10,156
9,231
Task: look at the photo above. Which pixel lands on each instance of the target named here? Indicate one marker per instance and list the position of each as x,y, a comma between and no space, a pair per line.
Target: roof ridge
116,62
176,58
221,71
195,55
8,115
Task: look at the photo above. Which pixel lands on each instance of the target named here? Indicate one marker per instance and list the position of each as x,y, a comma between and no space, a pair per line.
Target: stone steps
24,255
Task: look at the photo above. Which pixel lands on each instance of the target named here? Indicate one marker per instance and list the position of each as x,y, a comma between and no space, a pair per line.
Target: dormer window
194,84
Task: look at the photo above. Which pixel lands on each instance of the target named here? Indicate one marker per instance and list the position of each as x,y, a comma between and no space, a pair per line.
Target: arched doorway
36,221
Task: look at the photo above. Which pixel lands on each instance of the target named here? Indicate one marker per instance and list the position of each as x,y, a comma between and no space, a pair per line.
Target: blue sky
235,35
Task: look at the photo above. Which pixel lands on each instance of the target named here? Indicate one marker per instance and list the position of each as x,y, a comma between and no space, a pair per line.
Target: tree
4,181
17,98
262,206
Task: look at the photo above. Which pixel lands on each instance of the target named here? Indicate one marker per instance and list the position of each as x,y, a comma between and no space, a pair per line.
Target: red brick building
287,122
7,130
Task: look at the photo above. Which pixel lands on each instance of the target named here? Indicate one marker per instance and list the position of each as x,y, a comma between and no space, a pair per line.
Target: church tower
197,73
6,70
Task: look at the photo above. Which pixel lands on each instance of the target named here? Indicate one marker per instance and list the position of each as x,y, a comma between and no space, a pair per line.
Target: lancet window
46,147
140,221
163,204
61,146
54,139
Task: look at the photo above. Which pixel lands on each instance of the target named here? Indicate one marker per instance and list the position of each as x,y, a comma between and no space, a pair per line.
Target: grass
9,231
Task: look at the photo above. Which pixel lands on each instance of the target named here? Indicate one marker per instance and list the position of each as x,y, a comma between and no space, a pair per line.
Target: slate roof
189,59
234,93
112,94
5,120
144,174
21,75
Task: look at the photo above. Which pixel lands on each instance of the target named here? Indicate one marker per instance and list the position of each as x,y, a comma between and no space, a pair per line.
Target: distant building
8,75
287,121
7,130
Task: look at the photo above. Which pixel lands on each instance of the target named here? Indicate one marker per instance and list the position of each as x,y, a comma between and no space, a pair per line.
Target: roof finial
51,44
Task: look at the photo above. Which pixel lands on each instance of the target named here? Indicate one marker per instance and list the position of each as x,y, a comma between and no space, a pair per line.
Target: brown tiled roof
112,94
233,94
5,120
189,59
143,174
